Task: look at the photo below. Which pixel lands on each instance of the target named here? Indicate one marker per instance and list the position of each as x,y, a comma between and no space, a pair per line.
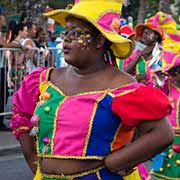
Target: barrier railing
15,64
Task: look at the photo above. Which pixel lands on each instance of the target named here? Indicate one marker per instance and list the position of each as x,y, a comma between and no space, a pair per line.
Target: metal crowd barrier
15,64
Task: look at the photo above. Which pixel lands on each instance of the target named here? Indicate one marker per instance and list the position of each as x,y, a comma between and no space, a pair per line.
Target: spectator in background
3,94
10,56
43,53
12,31
55,42
16,59
23,18
29,43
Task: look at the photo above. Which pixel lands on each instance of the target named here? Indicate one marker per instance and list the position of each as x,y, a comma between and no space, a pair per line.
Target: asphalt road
14,168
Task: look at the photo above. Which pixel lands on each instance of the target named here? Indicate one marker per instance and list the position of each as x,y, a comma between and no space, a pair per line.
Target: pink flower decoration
46,140
35,120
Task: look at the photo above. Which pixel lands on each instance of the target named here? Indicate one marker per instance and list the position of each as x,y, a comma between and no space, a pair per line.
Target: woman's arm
130,67
144,53
154,137
28,146
24,103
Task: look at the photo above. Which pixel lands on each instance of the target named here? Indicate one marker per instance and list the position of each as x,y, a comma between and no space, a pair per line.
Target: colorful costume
106,120
146,67
169,160
142,67
167,164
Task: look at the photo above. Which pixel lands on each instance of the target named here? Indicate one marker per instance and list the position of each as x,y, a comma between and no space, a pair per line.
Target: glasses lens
74,34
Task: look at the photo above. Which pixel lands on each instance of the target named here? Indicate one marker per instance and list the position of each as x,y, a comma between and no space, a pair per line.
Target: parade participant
167,164
146,54
3,91
78,121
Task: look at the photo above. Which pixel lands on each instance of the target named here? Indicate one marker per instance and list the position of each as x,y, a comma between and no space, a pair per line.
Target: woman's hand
155,136
126,172
141,78
28,146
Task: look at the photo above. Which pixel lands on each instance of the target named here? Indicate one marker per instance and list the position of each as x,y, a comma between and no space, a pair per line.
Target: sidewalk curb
10,149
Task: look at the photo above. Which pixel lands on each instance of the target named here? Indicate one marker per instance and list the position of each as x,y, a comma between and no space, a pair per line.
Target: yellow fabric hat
171,34
104,15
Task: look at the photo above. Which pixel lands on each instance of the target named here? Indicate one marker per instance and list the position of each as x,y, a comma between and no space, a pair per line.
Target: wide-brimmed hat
139,29
168,24
164,21
104,15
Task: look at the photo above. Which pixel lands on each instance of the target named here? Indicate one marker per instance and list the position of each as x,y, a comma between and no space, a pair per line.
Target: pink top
73,126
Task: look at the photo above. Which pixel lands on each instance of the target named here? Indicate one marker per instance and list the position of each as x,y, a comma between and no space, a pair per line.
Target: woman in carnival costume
146,55
76,122
167,164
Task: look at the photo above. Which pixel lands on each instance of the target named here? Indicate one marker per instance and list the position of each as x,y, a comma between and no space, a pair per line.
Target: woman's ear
100,41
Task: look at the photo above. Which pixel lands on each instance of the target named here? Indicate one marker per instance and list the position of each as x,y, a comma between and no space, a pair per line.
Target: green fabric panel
141,67
47,121
173,171
120,64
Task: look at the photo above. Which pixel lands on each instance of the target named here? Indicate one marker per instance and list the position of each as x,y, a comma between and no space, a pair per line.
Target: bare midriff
68,166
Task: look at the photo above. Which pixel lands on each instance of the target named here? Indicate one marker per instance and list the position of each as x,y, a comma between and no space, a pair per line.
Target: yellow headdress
168,24
104,15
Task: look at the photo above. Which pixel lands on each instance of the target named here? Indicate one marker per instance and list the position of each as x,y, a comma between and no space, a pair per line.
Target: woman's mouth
66,49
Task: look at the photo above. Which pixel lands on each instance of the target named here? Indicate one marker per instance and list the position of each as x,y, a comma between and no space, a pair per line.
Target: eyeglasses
74,34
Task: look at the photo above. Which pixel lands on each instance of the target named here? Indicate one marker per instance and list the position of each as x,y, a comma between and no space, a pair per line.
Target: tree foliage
138,9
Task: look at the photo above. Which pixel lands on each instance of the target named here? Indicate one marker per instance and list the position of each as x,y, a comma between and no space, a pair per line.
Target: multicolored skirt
100,173
166,165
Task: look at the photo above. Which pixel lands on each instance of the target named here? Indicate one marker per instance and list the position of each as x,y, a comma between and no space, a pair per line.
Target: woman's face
77,44
149,36
24,32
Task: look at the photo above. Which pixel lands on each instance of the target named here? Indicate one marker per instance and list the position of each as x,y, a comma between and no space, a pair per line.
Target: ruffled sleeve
24,102
144,104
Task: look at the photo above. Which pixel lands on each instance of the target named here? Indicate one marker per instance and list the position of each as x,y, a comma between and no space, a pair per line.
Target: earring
109,58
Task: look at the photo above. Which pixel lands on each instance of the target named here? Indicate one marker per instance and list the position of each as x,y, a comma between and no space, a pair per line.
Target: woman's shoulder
122,78
57,72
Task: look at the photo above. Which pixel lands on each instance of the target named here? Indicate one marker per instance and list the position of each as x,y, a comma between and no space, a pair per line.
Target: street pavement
8,144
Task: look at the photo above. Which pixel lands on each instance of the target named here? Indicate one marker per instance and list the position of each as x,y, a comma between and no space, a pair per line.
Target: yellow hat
171,34
104,15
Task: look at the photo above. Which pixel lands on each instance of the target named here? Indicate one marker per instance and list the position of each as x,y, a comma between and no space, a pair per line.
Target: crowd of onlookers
24,47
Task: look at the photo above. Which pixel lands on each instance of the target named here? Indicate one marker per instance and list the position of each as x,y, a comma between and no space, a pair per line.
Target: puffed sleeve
144,104
24,102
